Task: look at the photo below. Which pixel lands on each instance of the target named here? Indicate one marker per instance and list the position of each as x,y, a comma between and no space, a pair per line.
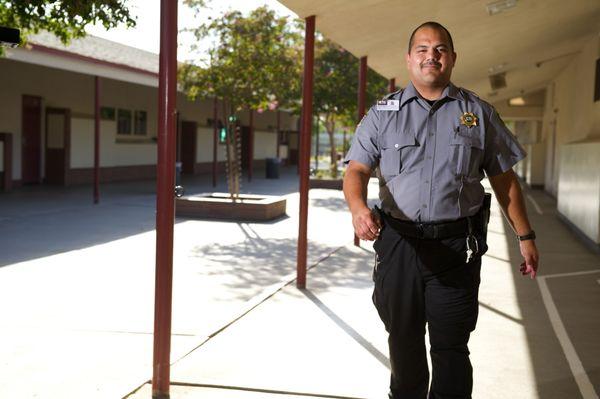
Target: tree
335,90
66,19
253,64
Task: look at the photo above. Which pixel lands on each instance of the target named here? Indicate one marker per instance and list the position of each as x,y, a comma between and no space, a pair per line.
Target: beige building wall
75,91
265,144
571,113
204,146
571,131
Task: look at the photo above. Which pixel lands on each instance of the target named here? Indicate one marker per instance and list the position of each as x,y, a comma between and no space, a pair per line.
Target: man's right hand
366,224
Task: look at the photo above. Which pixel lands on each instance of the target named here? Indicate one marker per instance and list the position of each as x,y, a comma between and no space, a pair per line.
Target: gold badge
468,119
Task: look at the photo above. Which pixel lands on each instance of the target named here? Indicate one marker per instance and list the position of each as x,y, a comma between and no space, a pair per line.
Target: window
123,121
107,113
140,123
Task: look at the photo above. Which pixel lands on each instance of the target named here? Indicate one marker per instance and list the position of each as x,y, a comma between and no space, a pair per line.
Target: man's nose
433,54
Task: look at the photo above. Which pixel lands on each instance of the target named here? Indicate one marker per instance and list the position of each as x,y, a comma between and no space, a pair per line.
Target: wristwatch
528,236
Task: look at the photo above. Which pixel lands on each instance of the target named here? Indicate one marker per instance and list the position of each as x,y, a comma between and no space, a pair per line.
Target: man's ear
407,59
453,58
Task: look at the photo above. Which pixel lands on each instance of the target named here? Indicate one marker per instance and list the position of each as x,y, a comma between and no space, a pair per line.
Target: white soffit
80,66
547,31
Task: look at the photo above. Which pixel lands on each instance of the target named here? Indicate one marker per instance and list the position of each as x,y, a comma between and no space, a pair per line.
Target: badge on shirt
468,119
388,105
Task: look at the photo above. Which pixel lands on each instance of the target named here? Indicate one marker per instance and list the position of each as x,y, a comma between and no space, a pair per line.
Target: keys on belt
472,247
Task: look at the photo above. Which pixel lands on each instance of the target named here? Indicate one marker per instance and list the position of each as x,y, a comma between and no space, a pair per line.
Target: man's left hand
531,257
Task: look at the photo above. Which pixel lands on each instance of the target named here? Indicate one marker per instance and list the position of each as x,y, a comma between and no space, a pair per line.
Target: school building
47,117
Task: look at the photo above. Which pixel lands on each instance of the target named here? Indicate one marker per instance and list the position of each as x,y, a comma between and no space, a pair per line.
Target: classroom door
57,144
31,139
188,147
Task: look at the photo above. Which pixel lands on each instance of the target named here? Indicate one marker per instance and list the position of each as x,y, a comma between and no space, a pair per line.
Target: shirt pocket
466,150
392,150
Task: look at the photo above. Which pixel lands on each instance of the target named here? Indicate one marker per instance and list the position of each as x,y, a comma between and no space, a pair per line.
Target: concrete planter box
246,207
332,184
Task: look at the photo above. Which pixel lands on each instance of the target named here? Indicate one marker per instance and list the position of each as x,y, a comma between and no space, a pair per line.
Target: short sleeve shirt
430,163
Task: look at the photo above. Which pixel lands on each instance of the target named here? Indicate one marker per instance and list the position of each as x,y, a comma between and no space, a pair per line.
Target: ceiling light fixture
516,102
496,7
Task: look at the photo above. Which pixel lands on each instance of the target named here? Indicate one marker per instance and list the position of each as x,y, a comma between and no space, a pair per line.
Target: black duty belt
440,230
437,230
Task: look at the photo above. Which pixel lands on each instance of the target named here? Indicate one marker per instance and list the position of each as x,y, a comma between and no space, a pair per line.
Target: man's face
430,60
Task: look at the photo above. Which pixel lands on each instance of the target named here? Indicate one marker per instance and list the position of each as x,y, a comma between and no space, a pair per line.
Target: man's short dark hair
433,25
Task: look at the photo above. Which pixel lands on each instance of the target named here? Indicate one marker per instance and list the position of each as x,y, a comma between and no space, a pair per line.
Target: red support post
278,132
96,139
392,85
6,138
362,97
251,143
165,199
215,141
304,148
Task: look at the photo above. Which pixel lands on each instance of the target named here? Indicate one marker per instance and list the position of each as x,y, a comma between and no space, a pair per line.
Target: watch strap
528,236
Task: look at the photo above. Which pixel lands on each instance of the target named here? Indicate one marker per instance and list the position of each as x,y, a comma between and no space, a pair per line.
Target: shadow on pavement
383,359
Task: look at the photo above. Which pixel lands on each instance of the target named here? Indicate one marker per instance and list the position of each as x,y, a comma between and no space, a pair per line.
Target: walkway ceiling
531,42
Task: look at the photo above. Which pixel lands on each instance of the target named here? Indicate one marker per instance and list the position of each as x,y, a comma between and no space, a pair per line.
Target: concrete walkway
76,298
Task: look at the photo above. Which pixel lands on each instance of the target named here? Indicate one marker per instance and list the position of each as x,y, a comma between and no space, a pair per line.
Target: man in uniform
432,143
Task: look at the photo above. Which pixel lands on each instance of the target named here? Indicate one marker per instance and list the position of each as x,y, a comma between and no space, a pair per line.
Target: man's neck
430,92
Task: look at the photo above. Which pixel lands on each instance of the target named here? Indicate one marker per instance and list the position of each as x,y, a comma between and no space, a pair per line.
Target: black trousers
427,281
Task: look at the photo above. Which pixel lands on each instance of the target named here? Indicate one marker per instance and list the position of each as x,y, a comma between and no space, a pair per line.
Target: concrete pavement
76,298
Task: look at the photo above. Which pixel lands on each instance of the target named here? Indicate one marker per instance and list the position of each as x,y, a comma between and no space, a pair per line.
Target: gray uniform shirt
430,163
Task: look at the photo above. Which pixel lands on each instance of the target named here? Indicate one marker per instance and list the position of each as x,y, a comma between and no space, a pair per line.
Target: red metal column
165,199
251,143
96,139
6,138
344,145
215,141
362,93
392,85
278,133
317,145
304,147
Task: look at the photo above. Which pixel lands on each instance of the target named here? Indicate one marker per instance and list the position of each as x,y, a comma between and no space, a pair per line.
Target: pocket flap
467,136
398,141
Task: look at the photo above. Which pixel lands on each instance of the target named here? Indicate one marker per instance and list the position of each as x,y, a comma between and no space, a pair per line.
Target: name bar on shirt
388,105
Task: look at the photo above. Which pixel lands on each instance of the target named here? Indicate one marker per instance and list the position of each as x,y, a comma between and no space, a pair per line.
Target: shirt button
429,157
424,205
396,145
426,181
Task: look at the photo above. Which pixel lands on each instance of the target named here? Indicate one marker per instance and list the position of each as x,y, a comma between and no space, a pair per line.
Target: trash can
272,168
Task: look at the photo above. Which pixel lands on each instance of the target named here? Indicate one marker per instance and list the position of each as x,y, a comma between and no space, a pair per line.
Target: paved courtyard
77,302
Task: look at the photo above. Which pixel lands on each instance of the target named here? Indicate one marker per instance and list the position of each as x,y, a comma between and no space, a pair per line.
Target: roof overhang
532,42
73,62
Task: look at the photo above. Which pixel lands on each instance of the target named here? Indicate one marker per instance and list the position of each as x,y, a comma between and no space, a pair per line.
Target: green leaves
254,62
67,19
